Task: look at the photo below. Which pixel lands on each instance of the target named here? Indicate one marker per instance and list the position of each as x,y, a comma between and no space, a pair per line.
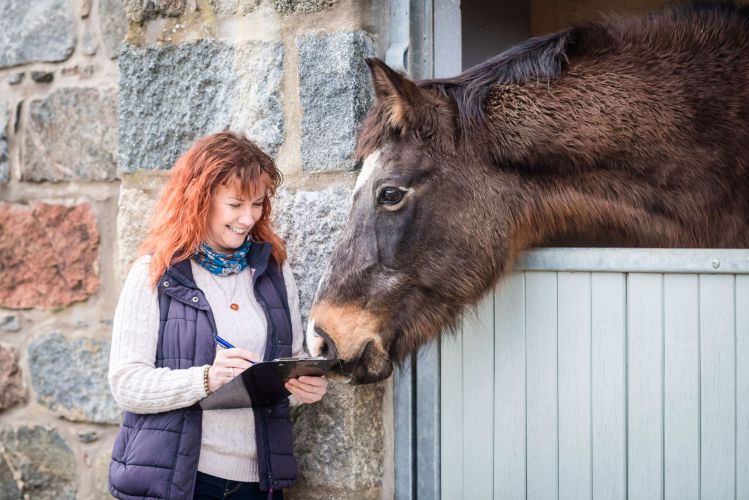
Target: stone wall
97,100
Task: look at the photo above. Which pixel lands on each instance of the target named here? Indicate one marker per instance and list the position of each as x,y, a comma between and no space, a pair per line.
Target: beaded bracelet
205,379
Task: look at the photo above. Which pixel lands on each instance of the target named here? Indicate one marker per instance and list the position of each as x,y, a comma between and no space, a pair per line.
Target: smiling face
231,217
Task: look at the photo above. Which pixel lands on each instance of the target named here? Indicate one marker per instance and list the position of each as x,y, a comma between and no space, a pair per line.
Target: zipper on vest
271,322
214,331
267,459
273,335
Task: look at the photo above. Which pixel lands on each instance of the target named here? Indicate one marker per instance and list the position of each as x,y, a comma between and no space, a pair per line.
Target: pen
223,343
226,345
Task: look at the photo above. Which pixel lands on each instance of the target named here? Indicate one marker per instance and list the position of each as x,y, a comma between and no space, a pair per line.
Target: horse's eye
390,196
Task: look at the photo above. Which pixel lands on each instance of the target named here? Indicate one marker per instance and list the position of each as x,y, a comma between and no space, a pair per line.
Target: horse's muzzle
371,366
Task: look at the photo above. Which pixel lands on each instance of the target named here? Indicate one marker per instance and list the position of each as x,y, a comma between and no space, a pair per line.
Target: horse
625,132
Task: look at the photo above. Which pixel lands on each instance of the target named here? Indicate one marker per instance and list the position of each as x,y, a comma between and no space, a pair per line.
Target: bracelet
205,379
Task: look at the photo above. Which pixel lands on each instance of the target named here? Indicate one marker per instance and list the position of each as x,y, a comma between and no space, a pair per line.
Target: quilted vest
155,456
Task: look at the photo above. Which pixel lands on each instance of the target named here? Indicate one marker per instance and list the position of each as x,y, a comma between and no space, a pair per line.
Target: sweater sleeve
136,384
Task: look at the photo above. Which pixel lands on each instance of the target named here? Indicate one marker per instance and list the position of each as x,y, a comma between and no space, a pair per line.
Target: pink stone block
48,255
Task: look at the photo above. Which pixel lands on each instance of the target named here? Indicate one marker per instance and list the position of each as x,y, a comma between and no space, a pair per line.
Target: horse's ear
400,95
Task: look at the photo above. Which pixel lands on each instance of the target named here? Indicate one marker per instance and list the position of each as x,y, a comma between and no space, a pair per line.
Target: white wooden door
602,379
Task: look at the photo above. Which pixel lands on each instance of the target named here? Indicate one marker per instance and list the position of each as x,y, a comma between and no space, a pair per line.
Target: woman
212,270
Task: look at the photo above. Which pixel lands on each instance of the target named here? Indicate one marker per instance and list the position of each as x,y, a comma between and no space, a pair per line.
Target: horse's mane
541,58
544,58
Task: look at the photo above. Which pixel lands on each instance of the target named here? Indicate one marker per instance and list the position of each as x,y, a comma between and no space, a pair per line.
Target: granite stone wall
97,100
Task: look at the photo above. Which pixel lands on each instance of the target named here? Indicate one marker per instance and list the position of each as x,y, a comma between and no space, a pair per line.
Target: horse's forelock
373,132
377,129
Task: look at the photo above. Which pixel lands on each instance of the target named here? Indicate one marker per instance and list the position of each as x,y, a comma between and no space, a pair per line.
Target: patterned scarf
222,264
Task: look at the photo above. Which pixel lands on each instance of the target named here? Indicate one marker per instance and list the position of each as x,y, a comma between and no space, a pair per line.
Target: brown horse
632,132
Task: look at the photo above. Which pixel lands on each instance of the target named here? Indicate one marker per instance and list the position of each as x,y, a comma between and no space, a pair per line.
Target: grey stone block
87,436
339,441
43,465
69,377
8,487
259,110
4,170
71,135
15,78
335,95
142,10
112,26
41,30
9,323
171,96
290,6
302,492
240,7
310,222
88,44
42,76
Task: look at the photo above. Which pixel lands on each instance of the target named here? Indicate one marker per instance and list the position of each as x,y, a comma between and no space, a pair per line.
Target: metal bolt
715,263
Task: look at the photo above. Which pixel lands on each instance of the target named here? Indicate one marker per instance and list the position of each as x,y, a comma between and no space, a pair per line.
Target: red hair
179,221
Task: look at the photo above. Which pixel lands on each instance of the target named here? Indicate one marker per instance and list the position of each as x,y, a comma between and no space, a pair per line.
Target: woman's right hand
228,364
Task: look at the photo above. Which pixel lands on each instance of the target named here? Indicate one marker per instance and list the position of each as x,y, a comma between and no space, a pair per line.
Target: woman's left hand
307,389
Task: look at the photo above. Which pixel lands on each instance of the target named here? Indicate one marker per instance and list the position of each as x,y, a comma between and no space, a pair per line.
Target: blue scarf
222,264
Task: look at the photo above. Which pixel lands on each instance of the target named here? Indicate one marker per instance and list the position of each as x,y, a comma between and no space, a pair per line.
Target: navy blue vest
155,456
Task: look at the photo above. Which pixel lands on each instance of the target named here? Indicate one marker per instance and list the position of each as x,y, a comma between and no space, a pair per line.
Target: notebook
262,384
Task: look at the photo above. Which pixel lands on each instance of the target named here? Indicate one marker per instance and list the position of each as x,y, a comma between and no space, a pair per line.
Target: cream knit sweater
228,447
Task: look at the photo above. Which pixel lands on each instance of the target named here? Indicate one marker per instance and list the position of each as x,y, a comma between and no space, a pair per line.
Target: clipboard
262,384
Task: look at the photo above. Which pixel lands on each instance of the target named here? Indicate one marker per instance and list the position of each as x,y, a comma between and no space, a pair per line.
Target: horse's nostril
325,345
323,348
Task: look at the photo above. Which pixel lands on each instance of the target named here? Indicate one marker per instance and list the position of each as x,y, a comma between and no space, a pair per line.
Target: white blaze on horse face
314,341
312,338
371,164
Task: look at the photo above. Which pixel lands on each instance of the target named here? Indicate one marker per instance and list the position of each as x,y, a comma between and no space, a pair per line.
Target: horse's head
416,248
577,136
